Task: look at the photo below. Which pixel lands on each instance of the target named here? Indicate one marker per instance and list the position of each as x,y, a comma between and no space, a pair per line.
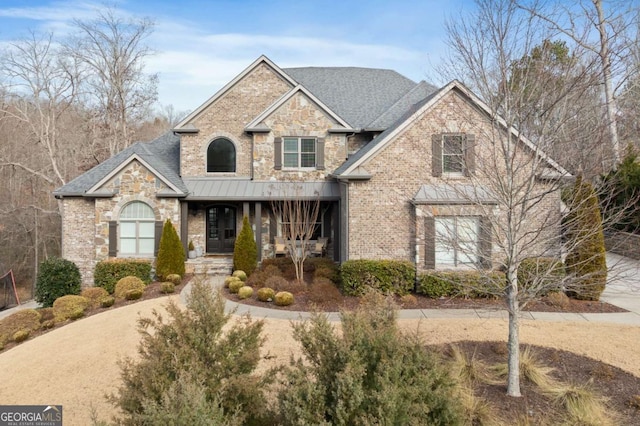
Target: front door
221,229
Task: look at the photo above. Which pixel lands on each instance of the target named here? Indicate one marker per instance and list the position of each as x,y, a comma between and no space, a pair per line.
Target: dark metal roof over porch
250,190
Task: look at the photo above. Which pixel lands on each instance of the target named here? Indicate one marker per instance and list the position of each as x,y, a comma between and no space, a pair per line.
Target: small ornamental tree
245,251
57,277
170,254
586,263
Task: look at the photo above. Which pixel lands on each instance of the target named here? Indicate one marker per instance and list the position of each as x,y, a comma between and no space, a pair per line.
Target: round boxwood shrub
48,324
240,274
21,335
25,319
229,280
245,292
56,277
133,294
266,294
76,313
167,287
235,285
128,283
107,301
95,295
283,298
66,307
174,278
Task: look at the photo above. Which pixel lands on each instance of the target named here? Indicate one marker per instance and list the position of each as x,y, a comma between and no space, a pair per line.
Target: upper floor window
453,154
297,152
137,229
221,156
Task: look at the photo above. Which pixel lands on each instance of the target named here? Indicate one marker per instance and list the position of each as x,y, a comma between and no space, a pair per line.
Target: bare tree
112,51
298,214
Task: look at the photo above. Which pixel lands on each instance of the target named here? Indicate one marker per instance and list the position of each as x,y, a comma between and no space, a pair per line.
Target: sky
201,45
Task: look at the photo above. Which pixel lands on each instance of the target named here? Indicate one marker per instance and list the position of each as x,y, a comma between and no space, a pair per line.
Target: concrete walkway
623,290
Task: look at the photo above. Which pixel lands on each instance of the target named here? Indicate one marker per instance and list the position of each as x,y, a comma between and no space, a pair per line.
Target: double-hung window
137,230
453,154
299,152
457,241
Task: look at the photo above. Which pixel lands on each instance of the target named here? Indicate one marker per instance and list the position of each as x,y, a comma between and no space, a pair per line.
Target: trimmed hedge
540,275
69,307
472,284
109,272
56,277
387,276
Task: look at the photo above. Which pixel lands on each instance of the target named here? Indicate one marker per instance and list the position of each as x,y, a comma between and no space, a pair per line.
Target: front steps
211,265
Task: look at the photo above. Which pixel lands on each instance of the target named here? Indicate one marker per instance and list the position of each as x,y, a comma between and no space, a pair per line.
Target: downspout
416,247
252,142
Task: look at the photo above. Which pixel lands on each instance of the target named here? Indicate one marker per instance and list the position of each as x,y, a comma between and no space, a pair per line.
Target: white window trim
456,244
137,222
449,173
299,153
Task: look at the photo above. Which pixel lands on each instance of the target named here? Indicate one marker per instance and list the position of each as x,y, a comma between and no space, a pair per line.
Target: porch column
336,226
258,225
245,210
184,228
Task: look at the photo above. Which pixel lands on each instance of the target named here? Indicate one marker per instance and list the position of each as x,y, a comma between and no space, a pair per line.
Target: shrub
332,274
266,294
76,314
167,287
56,277
283,298
50,323
229,280
368,374
109,272
66,307
245,292
271,271
24,319
322,291
107,302
540,275
94,295
257,279
434,286
585,262
189,371
408,300
133,294
276,282
21,335
127,283
45,314
245,251
170,258
387,276
174,278
558,299
240,274
461,283
235,285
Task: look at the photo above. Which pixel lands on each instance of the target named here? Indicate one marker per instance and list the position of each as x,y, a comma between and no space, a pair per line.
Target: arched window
221,156
137,229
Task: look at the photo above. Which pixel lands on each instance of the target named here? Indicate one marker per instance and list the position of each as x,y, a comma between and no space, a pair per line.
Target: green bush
245,251
170,258
193,368
283,298
56,277
235,285
174,278
67,307
461,283
239,274
107,302
387,276
539,276
128,283
95,295
21,335
229,280
266,294
108,272
585,263
167,287
286,268
133,294
245,292
370,374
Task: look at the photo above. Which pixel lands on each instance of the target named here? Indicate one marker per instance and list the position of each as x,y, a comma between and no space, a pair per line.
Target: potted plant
192,250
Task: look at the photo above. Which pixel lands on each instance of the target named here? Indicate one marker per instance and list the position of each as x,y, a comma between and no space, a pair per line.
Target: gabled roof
358,95
161,155
261,60
373,147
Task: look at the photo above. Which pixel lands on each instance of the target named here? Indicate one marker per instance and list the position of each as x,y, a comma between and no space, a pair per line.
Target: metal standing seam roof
246,189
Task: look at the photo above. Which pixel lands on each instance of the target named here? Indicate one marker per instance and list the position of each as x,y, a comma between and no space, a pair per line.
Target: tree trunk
513,380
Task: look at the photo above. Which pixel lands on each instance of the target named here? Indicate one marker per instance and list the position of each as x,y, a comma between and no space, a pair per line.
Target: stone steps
210,266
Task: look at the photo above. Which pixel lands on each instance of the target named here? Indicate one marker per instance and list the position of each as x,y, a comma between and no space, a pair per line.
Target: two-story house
393,163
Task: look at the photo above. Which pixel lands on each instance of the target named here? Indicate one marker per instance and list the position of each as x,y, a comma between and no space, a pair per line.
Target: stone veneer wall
78,235
382,220
227,117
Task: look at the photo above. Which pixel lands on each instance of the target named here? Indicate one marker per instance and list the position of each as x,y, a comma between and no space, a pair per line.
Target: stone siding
78,235
227,117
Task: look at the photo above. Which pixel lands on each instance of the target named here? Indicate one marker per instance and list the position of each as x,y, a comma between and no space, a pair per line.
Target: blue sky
201,45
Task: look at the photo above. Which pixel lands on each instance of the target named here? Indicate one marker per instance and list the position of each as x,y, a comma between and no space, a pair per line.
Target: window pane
290,144
128,245
137,210
467,229
307,160
146,229
467,253
291,160
444,255
146,245
127,229
452,145
308,145
221,156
